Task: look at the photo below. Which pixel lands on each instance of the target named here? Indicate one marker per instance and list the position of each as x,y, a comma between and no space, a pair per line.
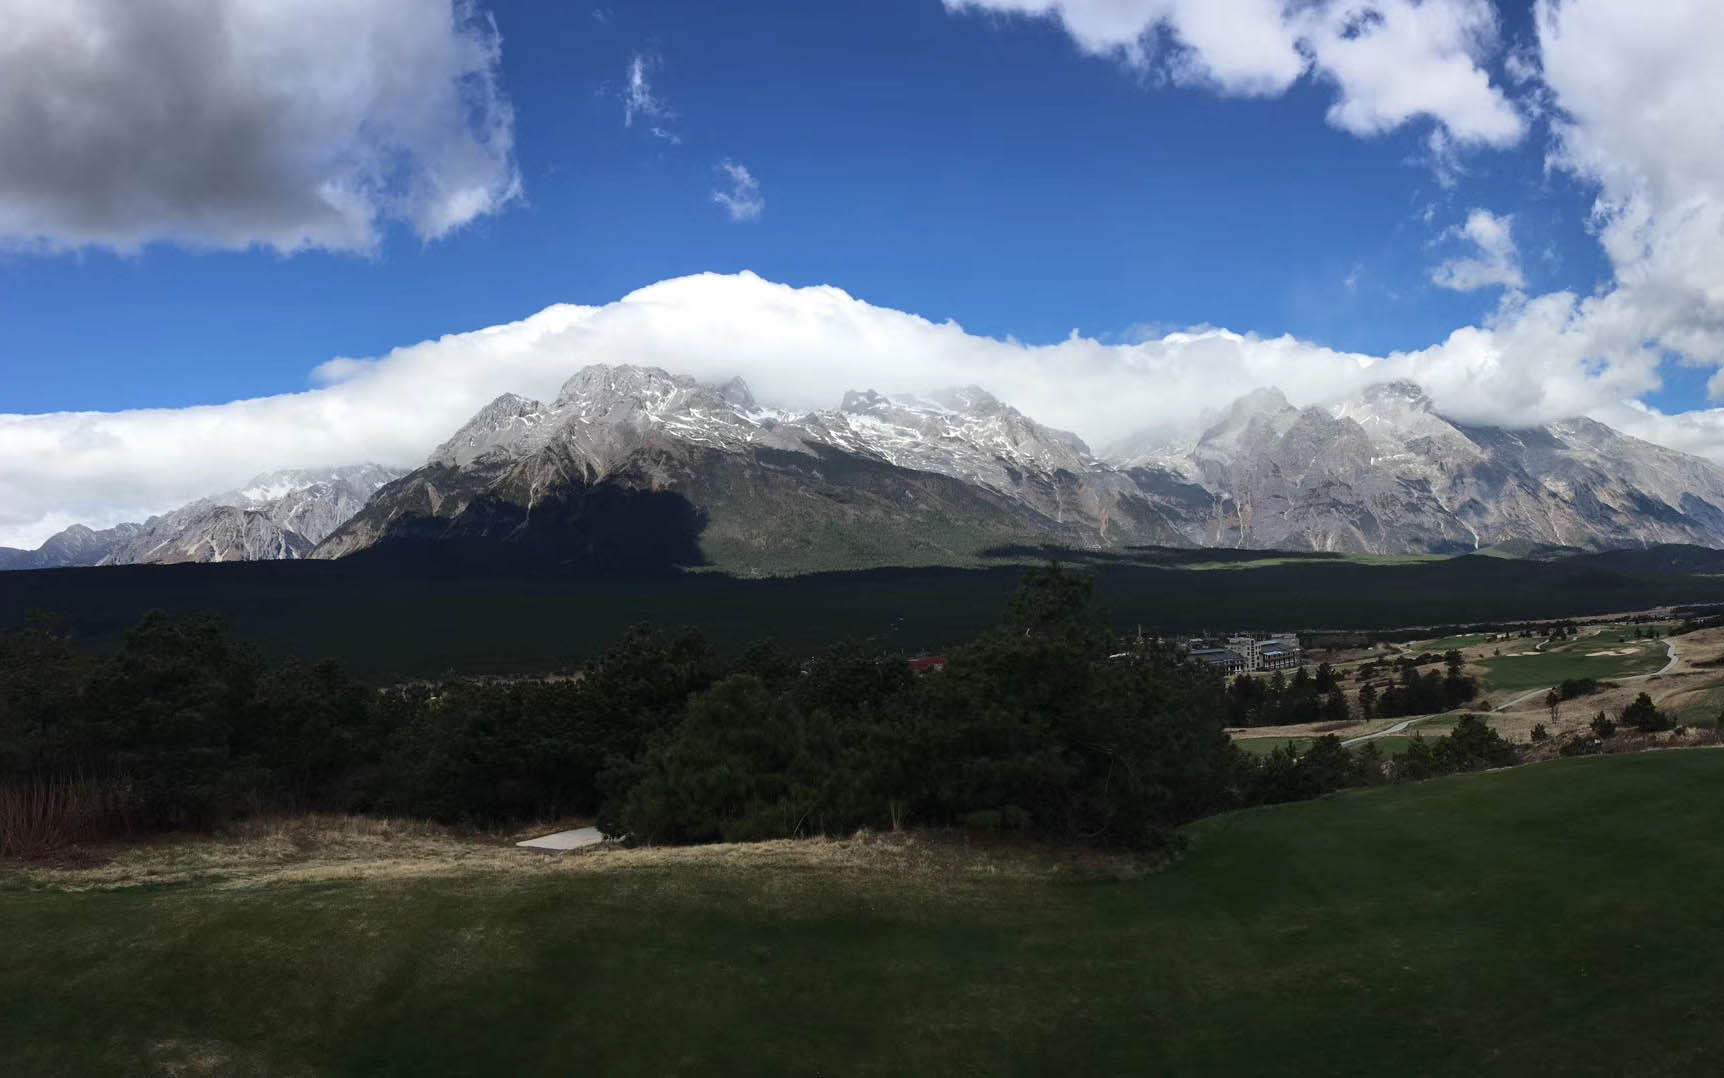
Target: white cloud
1390,61
1629,90
1393,61
742,198
231,123
1634,88
1244,47
1494,259
799,348
641,102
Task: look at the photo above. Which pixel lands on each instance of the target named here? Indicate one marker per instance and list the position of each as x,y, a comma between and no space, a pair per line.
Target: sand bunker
1612,651
562,841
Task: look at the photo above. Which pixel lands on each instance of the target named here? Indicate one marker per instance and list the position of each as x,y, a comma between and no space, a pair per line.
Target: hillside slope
1456,927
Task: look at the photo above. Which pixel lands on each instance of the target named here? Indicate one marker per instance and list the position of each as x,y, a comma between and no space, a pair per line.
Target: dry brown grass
1695,648
1626,741
1312,729
1667,691
320,848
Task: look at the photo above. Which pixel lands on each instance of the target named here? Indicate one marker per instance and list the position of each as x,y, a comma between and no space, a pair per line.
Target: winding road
1399,727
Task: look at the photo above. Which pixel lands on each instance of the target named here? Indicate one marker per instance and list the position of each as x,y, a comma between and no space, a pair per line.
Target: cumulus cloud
231,123
1390,61
741,199
1633,89
800,348
1629,92
1494,259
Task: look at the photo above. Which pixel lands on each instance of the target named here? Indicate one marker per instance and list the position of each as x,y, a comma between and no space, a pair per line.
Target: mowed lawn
1263,746
1517,673
1448,642
1552,919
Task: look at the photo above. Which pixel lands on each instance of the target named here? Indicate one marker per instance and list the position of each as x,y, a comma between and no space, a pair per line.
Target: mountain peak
863,402
603,383
499,426
1400,391
736,392
971,400
1259,400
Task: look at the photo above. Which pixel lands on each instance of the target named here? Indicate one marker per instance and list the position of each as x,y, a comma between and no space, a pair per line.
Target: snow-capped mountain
878,480
279,515
635,461
633,467
1384,472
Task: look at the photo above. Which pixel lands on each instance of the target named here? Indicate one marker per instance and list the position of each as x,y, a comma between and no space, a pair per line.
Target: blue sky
952,165
1516,203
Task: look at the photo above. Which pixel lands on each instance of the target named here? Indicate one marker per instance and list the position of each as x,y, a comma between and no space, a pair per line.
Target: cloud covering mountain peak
799,348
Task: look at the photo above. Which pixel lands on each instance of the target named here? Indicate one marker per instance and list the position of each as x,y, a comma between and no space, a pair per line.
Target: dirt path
1528,695
1399,727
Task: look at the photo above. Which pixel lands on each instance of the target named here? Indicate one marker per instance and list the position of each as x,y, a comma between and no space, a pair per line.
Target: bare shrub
38,816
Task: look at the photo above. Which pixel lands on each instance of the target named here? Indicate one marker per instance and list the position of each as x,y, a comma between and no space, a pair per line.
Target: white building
1280,652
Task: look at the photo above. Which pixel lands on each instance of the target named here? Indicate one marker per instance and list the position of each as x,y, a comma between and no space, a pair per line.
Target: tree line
1049,724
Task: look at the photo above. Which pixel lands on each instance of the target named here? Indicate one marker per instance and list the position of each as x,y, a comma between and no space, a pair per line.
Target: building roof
1218,655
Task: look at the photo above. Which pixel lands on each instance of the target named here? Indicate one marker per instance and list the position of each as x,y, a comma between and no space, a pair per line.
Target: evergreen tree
1644,716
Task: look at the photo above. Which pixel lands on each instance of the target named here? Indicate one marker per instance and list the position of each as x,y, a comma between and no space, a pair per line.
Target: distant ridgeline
638,470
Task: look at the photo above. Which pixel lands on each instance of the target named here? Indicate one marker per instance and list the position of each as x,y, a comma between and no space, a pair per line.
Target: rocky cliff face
883,480
1385,473
635,468
77,545
875,481
279,515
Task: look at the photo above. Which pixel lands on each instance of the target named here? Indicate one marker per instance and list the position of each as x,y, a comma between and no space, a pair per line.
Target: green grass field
1625,634
1391,745
1521,672
1263,746
1557,919
1449,642
1306,559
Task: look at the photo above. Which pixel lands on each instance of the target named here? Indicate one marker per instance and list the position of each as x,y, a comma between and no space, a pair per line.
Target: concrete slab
565,840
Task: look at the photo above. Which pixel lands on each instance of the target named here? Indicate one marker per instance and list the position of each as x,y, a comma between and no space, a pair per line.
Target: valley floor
1555,918
1674,671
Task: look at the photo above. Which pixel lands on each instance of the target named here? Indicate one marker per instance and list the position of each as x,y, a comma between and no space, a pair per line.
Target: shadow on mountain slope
600,530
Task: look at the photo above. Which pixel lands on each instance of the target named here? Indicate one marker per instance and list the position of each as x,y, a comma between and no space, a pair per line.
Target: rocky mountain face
77,545
634,468
279,515
637,467
1384,473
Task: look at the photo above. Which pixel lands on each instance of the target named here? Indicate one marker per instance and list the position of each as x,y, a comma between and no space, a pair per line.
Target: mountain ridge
276,515
636,467
1380,473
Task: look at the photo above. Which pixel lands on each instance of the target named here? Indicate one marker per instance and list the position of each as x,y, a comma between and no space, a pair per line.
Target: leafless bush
39,816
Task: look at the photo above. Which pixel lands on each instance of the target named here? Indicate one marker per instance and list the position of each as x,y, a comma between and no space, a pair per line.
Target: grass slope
1551,919
1518,673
